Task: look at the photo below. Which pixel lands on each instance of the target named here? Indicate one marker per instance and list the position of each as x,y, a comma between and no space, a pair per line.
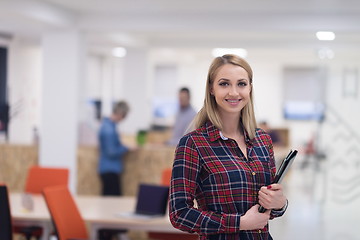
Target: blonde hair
209,112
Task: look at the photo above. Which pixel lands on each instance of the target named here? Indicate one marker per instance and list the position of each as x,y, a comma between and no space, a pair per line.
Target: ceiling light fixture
241,52
325,36
119,52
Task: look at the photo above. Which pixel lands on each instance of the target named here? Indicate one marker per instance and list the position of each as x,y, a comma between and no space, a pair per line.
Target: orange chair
166,176
38,178
6,231
165,180
65,215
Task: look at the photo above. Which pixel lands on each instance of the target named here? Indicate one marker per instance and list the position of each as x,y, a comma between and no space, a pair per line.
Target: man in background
184,117
111,151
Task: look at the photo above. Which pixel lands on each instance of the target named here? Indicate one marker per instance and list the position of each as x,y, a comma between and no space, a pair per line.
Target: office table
97,211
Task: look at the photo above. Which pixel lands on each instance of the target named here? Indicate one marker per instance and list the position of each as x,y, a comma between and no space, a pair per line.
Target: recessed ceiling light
119,52
325,36
241,52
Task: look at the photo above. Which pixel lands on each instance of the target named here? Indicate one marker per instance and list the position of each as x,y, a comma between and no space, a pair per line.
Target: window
304,93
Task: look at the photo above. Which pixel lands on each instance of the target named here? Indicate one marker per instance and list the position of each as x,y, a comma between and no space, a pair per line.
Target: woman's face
231,89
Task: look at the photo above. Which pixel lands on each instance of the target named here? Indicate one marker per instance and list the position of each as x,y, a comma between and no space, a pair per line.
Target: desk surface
96,211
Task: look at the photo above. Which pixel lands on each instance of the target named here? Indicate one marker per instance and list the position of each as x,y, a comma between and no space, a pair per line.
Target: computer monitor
152,200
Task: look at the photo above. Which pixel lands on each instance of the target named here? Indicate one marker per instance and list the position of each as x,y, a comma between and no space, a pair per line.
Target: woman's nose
233,91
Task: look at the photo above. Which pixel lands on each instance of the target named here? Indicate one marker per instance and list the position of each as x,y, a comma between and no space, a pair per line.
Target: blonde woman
226,164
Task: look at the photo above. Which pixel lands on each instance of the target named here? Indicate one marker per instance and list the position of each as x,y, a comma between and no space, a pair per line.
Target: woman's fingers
271,196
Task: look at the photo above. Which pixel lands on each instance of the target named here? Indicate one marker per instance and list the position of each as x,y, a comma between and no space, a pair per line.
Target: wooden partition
88,182
143,165
15,160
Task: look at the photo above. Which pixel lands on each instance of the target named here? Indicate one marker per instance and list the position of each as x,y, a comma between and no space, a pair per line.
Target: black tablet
284,167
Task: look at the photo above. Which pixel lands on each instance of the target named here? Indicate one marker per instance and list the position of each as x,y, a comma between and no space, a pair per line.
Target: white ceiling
189,23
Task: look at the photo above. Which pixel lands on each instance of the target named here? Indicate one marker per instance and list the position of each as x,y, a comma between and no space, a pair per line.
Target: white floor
320,208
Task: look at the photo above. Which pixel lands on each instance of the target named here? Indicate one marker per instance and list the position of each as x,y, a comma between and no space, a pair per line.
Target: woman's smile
233,102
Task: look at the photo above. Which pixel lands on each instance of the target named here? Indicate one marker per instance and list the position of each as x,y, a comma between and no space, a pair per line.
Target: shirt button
253,173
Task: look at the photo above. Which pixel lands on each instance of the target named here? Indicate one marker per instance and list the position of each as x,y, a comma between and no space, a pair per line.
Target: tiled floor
313,214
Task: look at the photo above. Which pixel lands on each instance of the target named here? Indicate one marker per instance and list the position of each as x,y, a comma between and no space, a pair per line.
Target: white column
135,86
63,60
107,80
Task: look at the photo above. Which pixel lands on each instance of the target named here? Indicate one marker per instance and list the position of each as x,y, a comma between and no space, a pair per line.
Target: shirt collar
215,133
222,136
212,131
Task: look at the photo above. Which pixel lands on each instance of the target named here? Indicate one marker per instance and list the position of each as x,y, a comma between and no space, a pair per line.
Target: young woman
226,164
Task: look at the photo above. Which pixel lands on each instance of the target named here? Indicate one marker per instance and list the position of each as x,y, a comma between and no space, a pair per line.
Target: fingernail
268,187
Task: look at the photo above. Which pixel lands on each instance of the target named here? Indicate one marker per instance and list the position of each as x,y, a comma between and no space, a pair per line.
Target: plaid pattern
213,170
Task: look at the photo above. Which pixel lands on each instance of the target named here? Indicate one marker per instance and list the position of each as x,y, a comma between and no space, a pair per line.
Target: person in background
226,164
183,118
111,151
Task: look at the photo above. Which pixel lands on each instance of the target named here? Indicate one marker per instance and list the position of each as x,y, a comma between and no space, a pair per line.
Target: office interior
62,59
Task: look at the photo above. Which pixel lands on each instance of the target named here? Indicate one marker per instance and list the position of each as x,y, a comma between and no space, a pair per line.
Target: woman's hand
253,219
272,197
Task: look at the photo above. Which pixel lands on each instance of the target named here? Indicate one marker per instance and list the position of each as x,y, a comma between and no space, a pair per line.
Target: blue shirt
111,149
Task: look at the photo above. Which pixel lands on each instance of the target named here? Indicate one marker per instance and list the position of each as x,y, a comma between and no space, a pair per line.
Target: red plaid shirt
212,169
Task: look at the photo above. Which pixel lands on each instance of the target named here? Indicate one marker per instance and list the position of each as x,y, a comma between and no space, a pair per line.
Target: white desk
98,212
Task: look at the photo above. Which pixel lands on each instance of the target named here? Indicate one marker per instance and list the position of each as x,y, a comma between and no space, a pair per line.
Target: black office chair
6,231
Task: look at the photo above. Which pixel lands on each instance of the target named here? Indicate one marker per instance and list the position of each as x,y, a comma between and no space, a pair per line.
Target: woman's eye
242,84
223,84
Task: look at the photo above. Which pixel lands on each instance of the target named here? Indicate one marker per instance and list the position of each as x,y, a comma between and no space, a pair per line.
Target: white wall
136,85
192,66
24,86
268,65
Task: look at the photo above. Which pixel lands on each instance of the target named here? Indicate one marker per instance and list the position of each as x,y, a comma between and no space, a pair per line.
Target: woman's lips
233,101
